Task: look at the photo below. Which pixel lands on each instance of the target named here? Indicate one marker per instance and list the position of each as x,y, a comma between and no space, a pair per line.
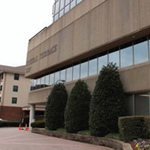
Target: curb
115,144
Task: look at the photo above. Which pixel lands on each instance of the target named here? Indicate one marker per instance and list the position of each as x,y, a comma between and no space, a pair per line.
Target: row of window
61,7
132,53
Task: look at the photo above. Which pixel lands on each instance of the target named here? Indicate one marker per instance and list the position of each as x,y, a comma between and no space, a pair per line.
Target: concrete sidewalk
14,139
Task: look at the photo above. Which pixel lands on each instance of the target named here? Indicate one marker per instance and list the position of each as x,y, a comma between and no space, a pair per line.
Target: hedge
134,127
9,123
38,124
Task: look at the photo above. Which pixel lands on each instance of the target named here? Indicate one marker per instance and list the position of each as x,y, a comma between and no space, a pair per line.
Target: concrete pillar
32,115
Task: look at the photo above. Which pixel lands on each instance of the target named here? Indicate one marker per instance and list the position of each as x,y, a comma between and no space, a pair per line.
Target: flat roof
9,69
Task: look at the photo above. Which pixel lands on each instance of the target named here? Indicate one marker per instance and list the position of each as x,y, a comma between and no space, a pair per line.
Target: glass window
67,2
84,69
16,76
63,75
56,17
39,81
66,9
47,81
93,67
61,13
126,57
52,79
57,76
76,72
73,3
62,4
14,100
33,84
140,52
114,57
141,104
15,88
129,104
69,74
57,7
43,80
1,87
78,1
102,60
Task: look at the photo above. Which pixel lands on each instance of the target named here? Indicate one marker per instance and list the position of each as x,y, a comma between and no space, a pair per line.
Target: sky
20,20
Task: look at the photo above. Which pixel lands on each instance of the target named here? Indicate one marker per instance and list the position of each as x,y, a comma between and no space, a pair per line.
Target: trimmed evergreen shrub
77,108
134,127
38,124
9,123
107,102
56,103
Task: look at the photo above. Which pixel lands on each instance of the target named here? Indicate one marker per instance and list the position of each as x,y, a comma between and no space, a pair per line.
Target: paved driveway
14,139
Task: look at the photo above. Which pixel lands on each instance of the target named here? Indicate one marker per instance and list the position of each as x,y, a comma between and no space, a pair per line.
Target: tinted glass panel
57,77
62,4
61,13
102,62
126,57
84,69
69,74
67,2
141,105
52,79
63,75
93,66
73,3
47,81
114,58
76,72
43,80
66,8
78,1
140,52
38,81
57,7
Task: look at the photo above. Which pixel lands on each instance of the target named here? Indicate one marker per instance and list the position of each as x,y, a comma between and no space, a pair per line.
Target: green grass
113,136
85,132
61,130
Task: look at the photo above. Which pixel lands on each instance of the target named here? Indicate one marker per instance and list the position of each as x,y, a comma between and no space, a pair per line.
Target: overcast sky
19,21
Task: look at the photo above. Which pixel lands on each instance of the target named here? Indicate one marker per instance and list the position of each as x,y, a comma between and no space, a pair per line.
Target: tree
107,102
77,108
56,103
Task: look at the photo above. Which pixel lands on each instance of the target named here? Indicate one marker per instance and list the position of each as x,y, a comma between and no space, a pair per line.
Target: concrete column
32,115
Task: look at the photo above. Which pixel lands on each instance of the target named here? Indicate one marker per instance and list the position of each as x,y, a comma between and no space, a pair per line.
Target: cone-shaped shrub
55,107
107,102
77,108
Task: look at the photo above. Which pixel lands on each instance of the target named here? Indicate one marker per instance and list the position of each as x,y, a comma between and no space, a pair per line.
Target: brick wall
10,113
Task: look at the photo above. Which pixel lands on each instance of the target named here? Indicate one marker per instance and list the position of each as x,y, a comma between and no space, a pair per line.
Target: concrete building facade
14,90
86,37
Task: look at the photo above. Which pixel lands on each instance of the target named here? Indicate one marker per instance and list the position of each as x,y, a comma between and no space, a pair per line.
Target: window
69,74
63,75
126,56
140,52
0,99
14,100
93,67
15,88
47,82
1,76
16,76
1,87
114,57
76,72
57,76
102,60
84,69
78,1
73,3
52,79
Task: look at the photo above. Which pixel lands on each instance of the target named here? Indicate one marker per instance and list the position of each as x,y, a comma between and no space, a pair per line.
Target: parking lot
14,139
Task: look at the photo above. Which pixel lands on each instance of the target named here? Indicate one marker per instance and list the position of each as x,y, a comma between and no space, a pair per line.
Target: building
14,90
85,35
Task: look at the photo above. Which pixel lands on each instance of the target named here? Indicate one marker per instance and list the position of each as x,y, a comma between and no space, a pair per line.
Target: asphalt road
14,139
